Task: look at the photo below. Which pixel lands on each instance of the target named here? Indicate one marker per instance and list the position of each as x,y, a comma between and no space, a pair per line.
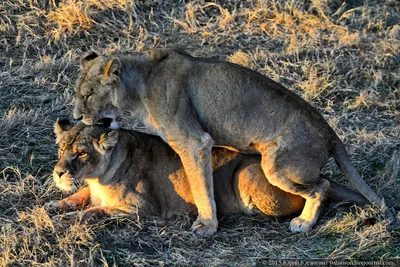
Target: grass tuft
342,57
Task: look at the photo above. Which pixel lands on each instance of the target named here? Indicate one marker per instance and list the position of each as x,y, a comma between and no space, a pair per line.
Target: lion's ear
111,71
61,127
159,54
106,141
87,57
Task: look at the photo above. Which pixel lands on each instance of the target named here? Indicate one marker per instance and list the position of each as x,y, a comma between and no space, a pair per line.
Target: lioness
133,172
195,103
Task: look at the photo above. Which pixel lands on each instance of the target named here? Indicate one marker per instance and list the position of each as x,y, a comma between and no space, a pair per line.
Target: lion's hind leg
312,208
256,193
297,172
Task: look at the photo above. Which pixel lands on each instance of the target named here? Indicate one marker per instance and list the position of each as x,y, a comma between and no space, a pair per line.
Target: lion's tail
341,193
348,169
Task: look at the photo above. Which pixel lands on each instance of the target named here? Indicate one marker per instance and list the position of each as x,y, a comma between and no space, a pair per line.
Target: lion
195,103
129,172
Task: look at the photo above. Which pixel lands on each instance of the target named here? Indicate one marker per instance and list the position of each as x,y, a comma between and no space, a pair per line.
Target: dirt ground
342,57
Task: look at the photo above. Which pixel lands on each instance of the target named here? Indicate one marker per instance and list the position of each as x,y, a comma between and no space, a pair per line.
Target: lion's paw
202,229
67,216
52,205
300,225
56,205
92,214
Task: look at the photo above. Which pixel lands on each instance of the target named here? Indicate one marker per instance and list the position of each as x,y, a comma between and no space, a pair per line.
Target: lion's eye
82,154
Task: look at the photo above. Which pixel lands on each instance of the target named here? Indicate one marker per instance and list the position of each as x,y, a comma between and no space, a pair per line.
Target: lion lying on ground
196,103
136,173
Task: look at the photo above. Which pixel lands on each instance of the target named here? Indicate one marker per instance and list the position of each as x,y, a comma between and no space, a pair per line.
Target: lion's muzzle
64,180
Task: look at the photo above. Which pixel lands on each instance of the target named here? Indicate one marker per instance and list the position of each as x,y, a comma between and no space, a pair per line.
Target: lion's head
96,88
83,152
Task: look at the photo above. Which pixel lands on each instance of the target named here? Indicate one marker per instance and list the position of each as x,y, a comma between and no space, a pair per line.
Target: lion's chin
65,184
88,120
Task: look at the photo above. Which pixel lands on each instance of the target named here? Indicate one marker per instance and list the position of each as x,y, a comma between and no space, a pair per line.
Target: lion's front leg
196,158
79,199
92,213
176,121
98,212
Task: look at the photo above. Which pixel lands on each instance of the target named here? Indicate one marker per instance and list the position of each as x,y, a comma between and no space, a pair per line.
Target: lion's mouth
66,182
105,122
108,122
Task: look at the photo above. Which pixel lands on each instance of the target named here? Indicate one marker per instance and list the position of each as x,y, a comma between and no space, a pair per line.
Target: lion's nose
60,173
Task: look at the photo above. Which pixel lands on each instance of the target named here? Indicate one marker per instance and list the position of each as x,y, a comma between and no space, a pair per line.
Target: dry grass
344,58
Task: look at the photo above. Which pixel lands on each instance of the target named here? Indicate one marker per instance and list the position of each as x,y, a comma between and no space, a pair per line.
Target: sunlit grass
341,57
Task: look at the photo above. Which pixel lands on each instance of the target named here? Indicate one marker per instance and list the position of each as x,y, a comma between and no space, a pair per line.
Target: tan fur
153,181
196,103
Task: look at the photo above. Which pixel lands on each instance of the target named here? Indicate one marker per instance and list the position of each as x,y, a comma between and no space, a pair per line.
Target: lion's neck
122,160
134,72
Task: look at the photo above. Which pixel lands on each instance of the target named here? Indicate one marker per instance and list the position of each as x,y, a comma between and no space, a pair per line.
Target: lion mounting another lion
194,104
129,172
